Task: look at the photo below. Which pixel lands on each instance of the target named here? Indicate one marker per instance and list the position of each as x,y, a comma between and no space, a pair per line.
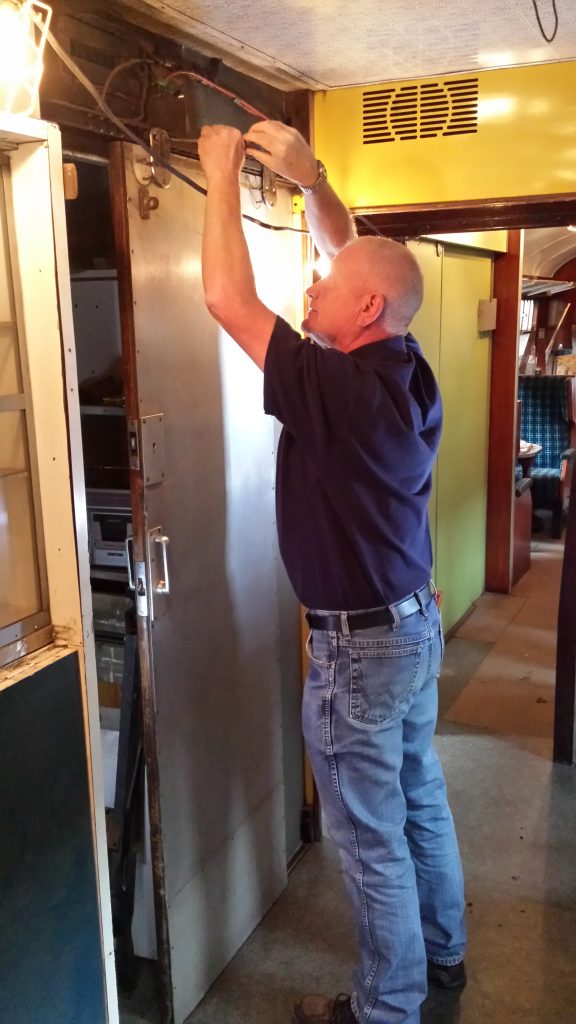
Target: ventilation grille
423,111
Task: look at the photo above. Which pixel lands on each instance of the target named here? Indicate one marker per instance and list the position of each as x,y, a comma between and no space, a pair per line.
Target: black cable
549,39
73,67
373,229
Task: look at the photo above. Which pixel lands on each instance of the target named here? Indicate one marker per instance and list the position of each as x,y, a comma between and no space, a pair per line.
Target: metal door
205,566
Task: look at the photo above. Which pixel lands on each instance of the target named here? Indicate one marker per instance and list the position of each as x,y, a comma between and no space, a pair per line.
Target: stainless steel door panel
214,636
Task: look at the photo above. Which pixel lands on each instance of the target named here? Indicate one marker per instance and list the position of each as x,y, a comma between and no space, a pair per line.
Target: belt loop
395,616
419,599
344,624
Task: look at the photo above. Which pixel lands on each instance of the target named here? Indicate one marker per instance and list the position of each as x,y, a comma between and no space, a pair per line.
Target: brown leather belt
388,615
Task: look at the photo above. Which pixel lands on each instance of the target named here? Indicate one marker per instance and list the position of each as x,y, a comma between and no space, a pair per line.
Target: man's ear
371,309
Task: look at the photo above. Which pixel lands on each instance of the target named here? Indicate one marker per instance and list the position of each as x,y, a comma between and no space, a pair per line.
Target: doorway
179,466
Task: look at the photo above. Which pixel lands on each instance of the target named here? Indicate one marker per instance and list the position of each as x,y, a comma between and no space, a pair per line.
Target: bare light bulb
15,29
23,29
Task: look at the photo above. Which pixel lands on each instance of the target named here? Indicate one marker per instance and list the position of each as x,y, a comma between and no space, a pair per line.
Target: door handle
158,571
163,585
129,545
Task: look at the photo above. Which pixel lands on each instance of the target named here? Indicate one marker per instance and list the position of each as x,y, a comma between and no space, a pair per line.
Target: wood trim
119,207
565,698
299,112
473,215
502,419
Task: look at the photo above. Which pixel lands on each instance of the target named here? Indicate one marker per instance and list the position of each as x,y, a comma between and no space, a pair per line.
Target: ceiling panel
546,250
331,43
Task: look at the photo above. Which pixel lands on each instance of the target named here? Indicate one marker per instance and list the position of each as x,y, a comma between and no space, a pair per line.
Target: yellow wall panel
426,329
490,241
525,144
463,457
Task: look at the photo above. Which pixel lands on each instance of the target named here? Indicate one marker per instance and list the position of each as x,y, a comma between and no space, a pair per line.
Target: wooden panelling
502,441
475,215
566,650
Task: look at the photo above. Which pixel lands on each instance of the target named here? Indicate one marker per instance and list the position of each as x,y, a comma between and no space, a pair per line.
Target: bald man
362,418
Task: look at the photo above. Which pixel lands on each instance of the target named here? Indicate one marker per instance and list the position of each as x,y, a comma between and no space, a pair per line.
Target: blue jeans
369,714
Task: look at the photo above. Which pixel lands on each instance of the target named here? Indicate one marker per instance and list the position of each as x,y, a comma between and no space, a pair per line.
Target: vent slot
424,111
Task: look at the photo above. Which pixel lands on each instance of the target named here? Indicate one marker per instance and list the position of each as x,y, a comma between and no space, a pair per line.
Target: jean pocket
383,678
317,652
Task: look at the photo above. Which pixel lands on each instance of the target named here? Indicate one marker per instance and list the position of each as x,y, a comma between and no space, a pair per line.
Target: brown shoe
320,1010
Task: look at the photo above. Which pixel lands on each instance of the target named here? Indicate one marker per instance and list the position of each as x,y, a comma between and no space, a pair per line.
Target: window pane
6,298
21,591
10,376
19,582
13,443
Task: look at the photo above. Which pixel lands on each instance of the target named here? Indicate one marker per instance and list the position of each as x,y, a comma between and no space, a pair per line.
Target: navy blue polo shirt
354,470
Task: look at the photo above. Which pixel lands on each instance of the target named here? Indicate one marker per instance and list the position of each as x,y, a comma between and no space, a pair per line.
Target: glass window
22,584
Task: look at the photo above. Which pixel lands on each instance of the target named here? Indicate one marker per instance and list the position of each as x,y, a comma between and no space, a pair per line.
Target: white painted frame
41,258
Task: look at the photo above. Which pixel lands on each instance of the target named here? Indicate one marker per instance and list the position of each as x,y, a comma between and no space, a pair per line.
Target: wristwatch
309,190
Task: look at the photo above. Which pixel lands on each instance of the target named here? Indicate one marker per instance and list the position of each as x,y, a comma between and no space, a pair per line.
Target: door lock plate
152,431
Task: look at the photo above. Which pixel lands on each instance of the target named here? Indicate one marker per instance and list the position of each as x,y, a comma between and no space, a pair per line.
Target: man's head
373,290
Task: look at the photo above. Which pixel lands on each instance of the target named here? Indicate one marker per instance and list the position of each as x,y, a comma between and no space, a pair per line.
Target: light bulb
15,43
23,29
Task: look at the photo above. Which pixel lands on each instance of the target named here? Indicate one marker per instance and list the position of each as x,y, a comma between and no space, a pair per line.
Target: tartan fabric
545,487
545,418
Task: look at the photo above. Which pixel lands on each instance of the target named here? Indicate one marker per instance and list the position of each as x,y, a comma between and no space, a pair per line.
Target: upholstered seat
548,418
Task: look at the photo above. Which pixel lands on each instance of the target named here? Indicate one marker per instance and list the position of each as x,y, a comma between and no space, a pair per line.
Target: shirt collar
393,349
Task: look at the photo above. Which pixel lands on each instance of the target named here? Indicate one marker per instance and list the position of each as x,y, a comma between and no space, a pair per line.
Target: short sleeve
310,389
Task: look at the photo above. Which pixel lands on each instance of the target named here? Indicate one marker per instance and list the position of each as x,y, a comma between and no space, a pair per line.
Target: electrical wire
121,125
122,67
549,39
368,223
218,88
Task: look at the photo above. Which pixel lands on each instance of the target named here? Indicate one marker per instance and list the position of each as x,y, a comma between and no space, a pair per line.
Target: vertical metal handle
163,585
129,544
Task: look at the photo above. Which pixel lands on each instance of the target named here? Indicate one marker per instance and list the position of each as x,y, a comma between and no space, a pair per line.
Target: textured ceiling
329,43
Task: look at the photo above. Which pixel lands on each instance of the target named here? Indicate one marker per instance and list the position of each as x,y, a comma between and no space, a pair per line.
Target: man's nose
310,291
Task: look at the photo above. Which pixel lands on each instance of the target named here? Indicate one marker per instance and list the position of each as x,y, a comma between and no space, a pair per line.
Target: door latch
137,579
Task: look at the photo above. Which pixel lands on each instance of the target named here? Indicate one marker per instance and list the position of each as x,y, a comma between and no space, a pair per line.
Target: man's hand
283,150
221,151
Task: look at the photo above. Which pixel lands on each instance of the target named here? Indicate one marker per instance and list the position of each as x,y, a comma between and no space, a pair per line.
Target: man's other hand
283,150
221,152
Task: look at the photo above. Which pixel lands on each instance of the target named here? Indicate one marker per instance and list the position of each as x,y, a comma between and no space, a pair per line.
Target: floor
516,817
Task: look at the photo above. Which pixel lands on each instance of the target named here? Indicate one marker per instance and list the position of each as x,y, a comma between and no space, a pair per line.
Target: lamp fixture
23,29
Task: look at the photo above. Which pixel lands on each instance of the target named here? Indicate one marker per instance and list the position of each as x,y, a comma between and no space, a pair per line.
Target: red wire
219,88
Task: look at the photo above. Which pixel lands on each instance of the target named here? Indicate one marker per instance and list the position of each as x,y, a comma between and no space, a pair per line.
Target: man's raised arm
285,152
229,287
